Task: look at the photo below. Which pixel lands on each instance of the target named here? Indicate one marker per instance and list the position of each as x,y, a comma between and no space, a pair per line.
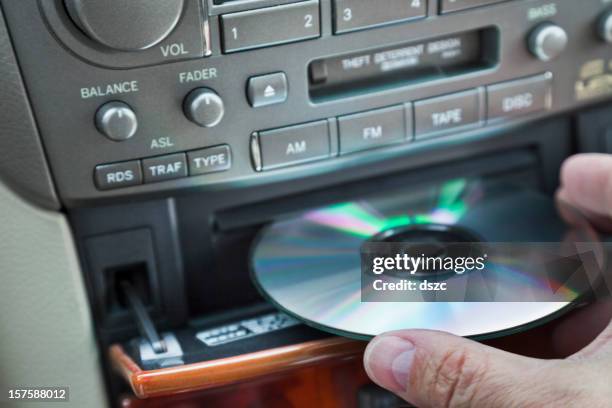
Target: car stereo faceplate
239,93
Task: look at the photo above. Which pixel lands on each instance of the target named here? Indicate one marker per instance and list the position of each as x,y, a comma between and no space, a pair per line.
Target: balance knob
204,107
604,27
547,41
126,25
117,121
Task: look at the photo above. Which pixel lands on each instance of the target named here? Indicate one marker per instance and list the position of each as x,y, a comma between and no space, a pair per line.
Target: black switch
318,72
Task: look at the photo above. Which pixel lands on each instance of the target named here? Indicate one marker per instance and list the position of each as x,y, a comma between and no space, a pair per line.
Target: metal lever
143,320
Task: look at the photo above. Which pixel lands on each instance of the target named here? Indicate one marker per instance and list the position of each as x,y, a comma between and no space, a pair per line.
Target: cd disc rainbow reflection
309,266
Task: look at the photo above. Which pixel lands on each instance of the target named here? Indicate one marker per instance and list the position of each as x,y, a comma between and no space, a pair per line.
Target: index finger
586,183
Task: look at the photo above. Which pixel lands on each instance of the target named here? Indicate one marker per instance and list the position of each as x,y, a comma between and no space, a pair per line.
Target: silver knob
204,107
117,121
604,27
547,41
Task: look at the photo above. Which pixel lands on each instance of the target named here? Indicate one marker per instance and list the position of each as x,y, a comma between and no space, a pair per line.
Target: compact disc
309,265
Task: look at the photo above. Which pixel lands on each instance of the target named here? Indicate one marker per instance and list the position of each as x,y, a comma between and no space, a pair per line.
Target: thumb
435,369
601,347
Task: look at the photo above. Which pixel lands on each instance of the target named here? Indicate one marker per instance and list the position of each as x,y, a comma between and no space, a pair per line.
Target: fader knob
126,25
547,41
204,107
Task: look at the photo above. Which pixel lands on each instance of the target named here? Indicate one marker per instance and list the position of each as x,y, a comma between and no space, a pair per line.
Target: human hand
435,369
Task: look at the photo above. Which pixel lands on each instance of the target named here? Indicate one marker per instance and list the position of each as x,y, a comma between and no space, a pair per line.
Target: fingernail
388,360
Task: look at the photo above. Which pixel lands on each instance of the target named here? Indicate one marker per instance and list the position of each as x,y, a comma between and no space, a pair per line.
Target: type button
210,160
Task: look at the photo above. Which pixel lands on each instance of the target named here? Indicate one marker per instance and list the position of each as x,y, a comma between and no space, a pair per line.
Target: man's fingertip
388,360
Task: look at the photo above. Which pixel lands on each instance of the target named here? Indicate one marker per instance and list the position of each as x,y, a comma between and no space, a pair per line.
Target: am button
291,145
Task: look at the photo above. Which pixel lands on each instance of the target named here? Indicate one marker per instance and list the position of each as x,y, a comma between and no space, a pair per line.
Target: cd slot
514,166
403,64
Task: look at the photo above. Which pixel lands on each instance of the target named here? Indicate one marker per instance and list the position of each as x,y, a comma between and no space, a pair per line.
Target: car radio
141,97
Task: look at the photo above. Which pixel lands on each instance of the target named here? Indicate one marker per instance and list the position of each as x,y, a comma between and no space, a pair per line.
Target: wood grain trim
209,374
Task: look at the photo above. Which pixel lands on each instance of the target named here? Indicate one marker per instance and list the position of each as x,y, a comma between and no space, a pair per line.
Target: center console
176,129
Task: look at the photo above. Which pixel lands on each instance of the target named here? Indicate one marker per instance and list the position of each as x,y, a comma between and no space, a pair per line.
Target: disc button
521,97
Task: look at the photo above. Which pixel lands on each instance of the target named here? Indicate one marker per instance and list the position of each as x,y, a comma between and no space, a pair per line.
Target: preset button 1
164,168
291,145
270,26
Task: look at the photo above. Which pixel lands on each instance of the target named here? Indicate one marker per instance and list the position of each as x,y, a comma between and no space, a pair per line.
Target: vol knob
126,25
547,41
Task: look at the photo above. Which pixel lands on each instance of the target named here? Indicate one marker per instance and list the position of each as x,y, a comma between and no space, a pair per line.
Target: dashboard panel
166,135
240,93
